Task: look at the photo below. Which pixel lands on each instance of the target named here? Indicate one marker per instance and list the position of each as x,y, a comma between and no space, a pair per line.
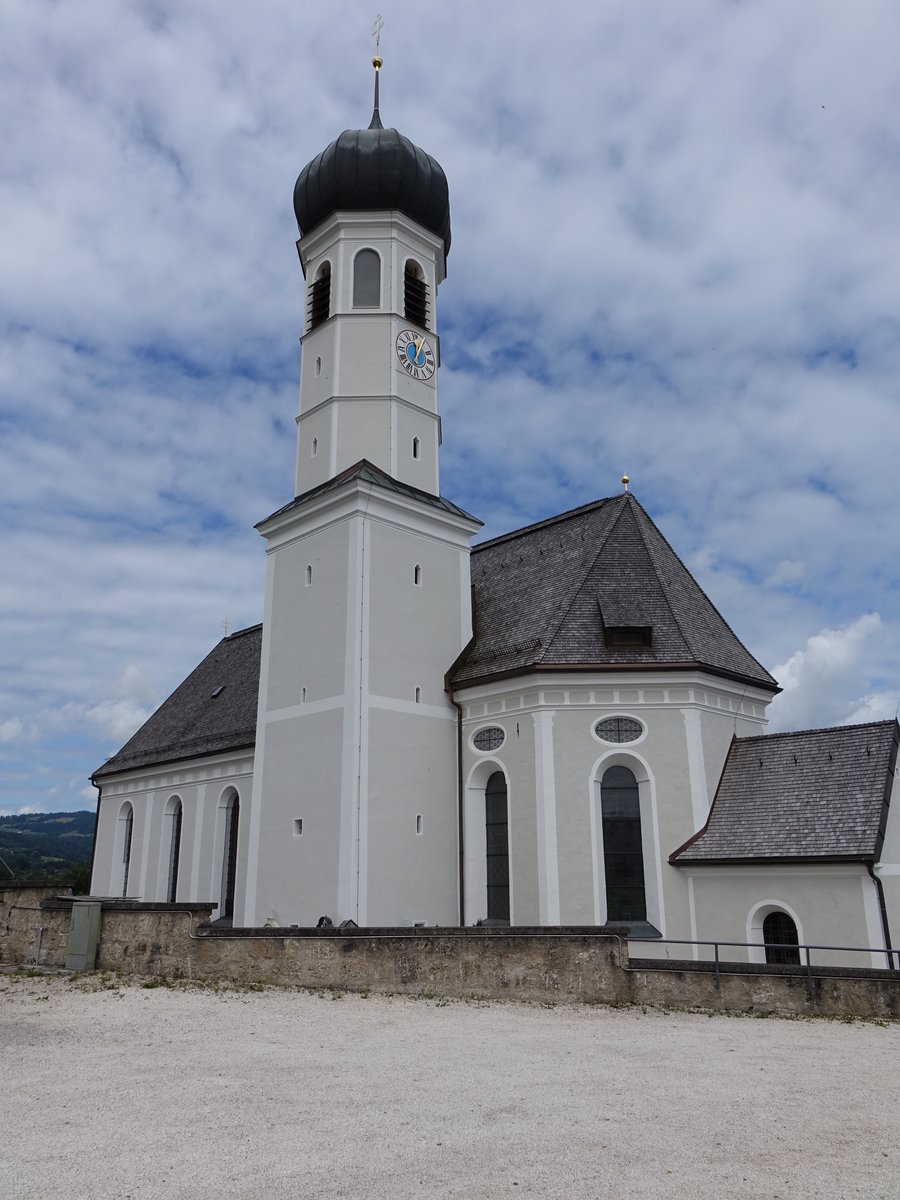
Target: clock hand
418,345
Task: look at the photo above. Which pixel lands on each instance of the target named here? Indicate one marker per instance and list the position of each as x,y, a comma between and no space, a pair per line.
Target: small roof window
628,636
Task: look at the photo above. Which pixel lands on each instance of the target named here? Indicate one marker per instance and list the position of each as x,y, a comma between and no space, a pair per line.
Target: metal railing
732,967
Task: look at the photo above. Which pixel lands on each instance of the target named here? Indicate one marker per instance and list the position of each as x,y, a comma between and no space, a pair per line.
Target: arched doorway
623,849
780,938
496,821
229,857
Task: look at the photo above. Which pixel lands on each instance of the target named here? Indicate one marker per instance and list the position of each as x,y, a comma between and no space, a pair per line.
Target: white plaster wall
554,764
833,904
412,877
198,783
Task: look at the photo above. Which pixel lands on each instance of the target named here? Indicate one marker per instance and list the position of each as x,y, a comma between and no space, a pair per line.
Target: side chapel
553,727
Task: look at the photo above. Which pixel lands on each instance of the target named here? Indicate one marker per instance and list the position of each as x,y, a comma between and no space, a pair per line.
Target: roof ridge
700,589
242,632
623,508
664,590
572,512
788,733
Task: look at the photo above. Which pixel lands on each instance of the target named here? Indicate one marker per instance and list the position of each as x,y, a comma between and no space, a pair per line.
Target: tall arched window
496,820
126,816
229,856
623,851
174,815
318,306
415,294
366,280
780,938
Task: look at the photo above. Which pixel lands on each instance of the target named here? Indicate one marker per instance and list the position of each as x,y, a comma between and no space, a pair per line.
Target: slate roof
367,472
194,721
818,794
543,596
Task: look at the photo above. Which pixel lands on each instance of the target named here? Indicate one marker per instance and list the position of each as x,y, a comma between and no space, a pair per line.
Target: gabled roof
544,596
214,710
367,472
816,794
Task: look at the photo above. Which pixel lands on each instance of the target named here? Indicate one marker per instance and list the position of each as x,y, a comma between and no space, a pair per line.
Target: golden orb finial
626,481
377,62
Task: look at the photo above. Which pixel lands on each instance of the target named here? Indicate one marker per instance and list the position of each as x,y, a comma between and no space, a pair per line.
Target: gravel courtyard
114,1090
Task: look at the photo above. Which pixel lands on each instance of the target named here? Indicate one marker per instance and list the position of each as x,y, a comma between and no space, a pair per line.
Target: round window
490,738
618,729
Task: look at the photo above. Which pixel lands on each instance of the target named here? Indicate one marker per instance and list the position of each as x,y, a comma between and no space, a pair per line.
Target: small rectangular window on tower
298,827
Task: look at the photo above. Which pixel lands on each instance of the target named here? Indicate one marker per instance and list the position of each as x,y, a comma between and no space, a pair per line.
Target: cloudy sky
675,252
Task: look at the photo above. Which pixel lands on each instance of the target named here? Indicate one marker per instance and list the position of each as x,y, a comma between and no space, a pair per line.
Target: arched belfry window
415,294
366,280
496,820
174,816
781,940
623,851
318,306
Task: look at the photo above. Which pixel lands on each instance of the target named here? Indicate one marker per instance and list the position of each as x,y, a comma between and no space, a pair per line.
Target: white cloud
117,720
677,255
11,730
821,680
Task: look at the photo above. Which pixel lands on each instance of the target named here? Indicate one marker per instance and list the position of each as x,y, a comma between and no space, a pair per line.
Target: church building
553,727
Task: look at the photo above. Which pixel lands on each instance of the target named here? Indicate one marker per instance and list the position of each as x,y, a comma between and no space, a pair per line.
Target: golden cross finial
626,481
376,34
226,625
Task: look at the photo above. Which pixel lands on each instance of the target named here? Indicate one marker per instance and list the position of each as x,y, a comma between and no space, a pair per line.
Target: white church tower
355,798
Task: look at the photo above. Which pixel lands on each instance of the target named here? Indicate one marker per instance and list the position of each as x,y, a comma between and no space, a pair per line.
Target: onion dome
368,170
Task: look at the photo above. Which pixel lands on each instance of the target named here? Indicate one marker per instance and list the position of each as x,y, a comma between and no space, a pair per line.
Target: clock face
415,354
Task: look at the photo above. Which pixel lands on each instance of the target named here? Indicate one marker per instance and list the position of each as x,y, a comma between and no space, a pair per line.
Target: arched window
318,306
496,820
417,575
229,856
623,851
415,294
366,280
126,816
780,937
174,816
415,448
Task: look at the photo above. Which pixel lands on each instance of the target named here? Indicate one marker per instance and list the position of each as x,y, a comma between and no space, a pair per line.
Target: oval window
490,738
618,729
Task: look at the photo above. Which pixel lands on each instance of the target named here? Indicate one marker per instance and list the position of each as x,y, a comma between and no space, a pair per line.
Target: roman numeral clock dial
415,354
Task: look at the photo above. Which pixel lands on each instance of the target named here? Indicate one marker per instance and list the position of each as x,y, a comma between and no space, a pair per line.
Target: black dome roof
367,170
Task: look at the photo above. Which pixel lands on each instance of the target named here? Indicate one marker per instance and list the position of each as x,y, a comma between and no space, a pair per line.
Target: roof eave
107,771
601,668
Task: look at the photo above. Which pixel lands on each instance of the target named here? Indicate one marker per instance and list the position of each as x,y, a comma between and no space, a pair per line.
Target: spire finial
377,63
626,481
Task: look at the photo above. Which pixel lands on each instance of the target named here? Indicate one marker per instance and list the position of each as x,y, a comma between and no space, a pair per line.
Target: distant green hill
47,846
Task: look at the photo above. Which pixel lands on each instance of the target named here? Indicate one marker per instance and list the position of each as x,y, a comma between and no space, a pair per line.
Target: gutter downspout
94,839
879,887
459,805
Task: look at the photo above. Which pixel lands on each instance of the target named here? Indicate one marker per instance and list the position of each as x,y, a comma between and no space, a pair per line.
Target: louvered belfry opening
415,296
319,305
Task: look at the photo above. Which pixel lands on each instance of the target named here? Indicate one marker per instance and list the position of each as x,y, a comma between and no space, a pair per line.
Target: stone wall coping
735,967
117,904
433,932
24,885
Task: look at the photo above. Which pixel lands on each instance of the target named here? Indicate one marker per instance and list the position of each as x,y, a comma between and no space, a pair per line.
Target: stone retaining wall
539,965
